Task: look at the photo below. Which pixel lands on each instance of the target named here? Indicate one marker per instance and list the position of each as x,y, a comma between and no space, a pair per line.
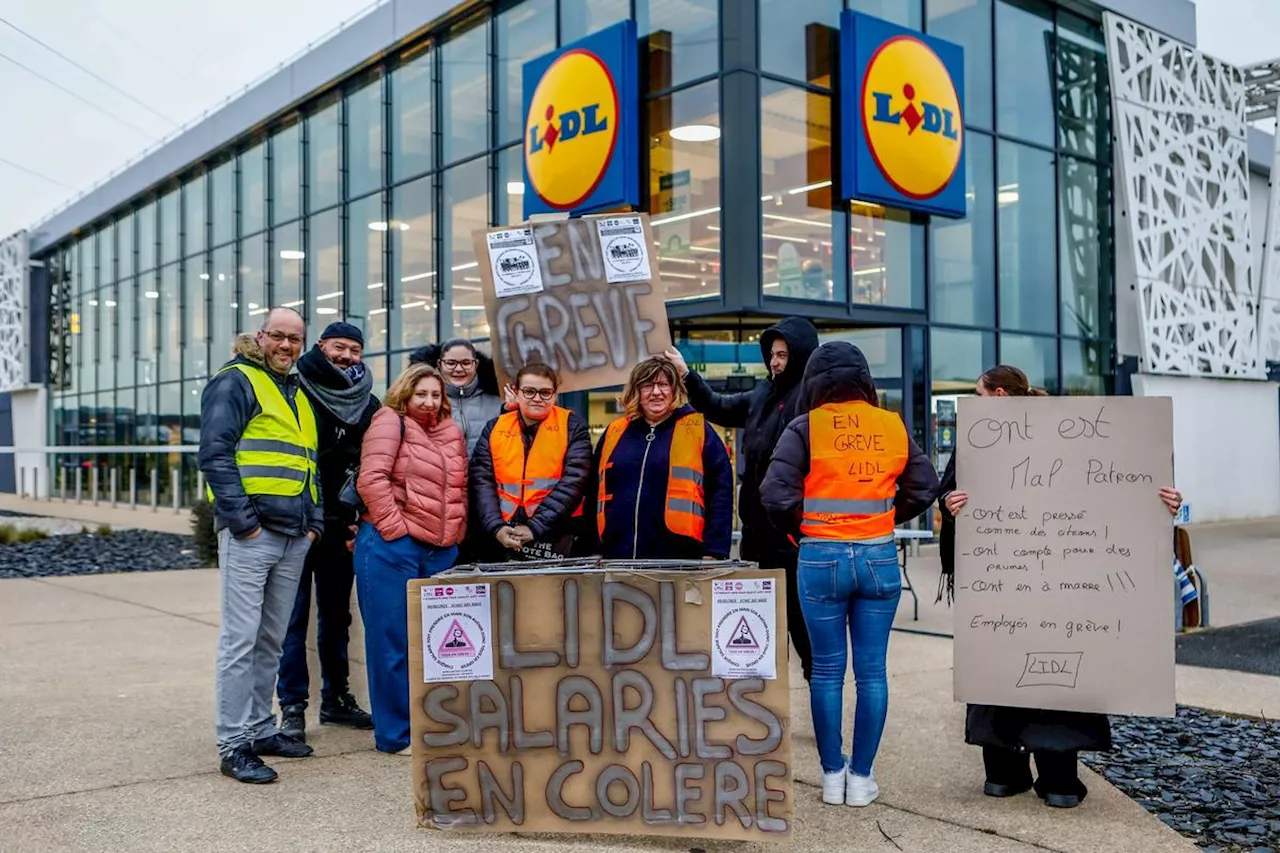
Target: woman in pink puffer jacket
413,481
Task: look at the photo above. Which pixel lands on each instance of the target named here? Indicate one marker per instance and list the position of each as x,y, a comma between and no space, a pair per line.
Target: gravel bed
130,550
1212,778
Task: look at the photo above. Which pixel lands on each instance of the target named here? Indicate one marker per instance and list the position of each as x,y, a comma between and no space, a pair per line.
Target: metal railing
101,475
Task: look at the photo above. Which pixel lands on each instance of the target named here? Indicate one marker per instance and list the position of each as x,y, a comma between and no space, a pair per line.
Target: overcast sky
170,60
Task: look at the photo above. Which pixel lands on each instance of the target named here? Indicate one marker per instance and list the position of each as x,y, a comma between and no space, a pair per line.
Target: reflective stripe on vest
526,482
276,454
685,507
856,454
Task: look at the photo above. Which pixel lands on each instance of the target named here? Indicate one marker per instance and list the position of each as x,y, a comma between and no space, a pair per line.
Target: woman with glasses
663,484
470,382
529,472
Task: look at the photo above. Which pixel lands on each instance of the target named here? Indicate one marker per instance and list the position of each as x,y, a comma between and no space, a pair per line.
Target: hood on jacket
246,346
802,340
837,373
486,374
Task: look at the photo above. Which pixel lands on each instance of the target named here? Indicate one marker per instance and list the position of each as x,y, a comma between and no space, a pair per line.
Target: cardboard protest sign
593,309
1064,554
603,714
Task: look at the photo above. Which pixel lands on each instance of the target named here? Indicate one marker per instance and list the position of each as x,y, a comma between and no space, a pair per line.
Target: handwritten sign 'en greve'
1064,578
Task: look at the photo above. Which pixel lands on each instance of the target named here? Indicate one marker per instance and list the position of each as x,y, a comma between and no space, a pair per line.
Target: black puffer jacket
837,373
226,407
762,413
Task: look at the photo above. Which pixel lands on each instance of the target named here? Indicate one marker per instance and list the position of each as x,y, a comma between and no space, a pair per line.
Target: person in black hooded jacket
762,414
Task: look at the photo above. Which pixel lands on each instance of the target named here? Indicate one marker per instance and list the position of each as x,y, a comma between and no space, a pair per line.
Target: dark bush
206,540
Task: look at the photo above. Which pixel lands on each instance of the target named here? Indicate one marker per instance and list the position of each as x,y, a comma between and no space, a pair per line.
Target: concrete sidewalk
108,684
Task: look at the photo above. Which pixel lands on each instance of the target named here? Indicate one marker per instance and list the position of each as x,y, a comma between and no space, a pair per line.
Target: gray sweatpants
259,585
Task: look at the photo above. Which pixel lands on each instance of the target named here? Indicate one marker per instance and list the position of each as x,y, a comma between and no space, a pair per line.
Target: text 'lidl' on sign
902,133
581,133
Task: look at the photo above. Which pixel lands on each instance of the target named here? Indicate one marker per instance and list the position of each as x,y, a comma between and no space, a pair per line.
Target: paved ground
1251,647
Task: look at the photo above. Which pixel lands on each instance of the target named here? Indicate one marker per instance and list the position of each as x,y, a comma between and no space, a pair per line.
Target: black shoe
1063,799
293,723
343,711
1000,789
281,745
243,766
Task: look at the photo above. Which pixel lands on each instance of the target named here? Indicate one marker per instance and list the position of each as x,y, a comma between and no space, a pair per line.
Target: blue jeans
383,569
853,588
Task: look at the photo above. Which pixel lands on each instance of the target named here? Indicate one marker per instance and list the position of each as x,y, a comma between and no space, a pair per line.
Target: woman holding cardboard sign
1008,736
663,483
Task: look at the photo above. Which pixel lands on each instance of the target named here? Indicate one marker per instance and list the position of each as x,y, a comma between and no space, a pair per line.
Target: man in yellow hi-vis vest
258,442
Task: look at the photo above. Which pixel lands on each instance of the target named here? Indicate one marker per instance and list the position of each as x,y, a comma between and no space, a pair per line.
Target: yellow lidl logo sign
577,122
904,137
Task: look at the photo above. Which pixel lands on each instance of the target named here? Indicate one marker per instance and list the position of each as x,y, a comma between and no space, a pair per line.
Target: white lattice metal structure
1262,94
13,311
1181,154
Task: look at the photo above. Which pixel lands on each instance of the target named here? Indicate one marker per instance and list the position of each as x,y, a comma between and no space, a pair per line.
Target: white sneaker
860,790
833,788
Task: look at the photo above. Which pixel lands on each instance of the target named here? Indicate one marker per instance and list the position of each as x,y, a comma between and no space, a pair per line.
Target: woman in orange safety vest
529,473
841,477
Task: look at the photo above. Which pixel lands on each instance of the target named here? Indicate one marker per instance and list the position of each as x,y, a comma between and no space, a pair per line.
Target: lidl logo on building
581,131
903,128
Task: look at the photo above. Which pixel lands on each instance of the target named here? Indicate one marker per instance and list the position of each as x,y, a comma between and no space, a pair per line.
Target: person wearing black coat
1010,736
551,530
762,414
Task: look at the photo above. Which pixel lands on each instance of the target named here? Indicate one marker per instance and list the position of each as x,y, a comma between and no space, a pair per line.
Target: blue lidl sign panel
581,125
902,130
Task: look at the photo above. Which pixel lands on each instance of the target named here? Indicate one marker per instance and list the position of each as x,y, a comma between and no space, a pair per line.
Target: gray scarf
346,404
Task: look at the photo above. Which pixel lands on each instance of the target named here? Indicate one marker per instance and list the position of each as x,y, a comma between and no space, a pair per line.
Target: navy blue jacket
635,518
226,407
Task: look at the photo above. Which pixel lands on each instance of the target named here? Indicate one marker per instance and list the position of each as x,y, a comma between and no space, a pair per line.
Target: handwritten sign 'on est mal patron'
1064,554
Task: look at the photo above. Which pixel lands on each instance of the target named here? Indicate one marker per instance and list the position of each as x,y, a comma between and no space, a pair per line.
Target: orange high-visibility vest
856,453
686,501
525,482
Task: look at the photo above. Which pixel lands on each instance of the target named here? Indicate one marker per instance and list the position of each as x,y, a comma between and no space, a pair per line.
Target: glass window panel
107,305
957,357
580,18
466,198
968,24
88,367
413,264
906,13
148,307
147,237
683,37
1087,367
1084,251
1084,96
523,32
89,263
286,175
1024,54
324,269
377,365
107,254
223,187
366,233
170,227
886,256
324,158
146,431
412,114
169,431
465,86
193,215
253,283
170,324
222,299
962,251
124,247
1028,262
287,260
1035,356
798,261
126,308
510,186
253,190
798,38
684,192
364,139
195,352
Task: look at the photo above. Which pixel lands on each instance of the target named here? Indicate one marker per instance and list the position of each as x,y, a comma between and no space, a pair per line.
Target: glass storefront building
358,202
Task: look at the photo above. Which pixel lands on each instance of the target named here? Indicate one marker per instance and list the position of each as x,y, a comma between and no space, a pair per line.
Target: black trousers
329,565
1056,769
795,617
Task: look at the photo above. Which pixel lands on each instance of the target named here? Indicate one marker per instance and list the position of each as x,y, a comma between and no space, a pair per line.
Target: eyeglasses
543,394
453,363
281,337
655,388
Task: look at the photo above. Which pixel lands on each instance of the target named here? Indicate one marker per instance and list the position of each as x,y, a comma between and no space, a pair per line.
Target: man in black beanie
340,388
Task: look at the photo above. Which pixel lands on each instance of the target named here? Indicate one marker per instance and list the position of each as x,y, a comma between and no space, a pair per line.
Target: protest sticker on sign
622,245
590,331
457,636
513,262
743,629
